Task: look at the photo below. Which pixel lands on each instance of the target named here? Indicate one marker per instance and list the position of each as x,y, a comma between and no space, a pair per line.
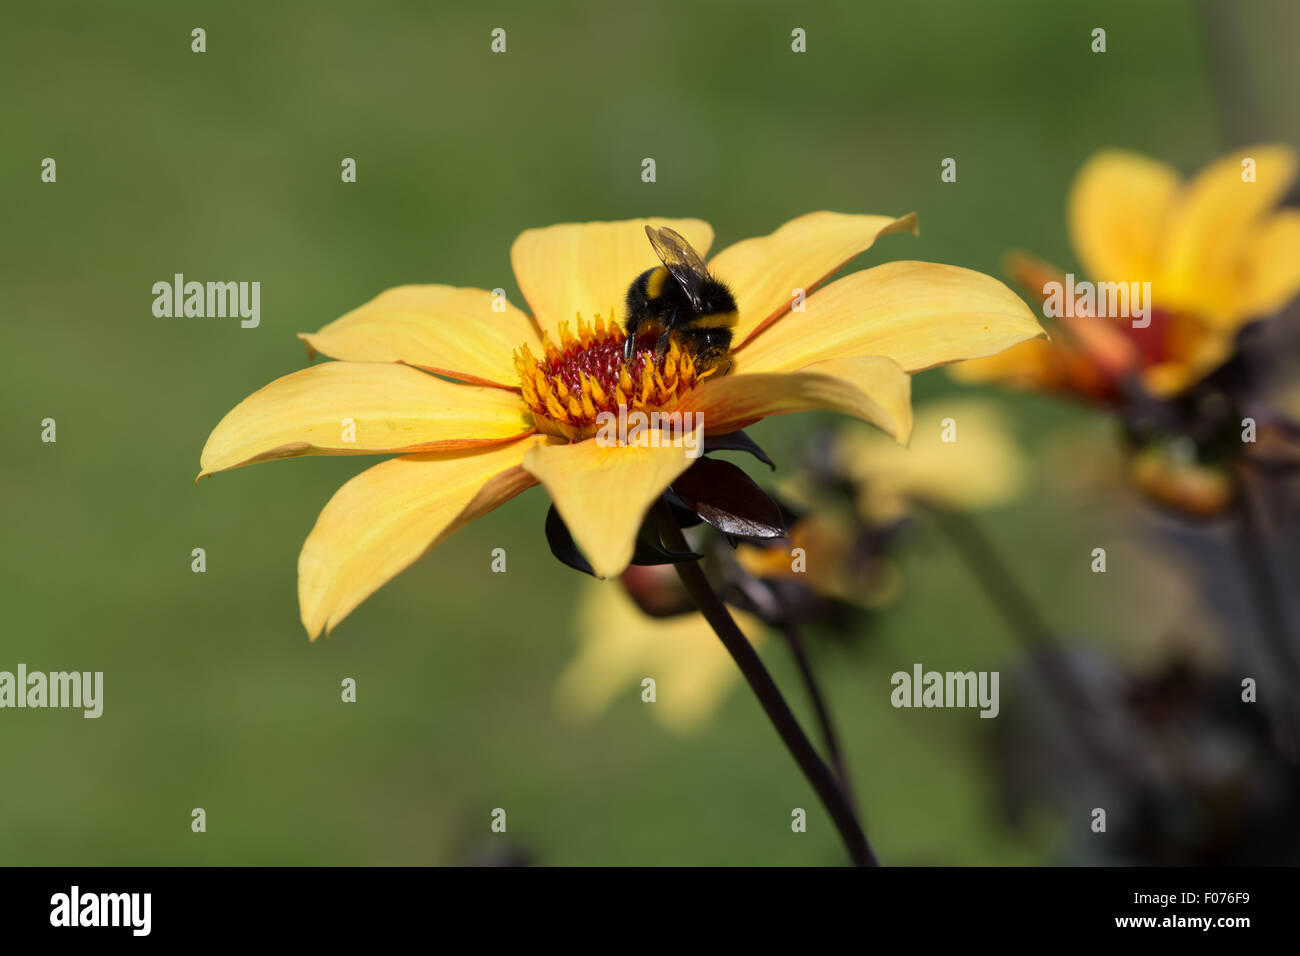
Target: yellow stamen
585,375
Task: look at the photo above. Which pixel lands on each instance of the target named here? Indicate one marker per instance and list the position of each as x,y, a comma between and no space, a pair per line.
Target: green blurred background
225,165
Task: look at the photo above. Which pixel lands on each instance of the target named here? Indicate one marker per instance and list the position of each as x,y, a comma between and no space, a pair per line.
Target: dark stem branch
769,696
1226,55
795,640
1259,569
770,608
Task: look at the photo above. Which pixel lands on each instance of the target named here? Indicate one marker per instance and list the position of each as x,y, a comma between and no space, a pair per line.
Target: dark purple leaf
561,542
737,441
727,498
650,548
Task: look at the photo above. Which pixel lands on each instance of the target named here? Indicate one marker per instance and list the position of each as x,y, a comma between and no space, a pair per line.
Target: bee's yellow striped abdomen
716,320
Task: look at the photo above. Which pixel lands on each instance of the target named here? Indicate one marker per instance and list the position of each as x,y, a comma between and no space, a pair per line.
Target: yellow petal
920,314
1271,263
764,272
393,408
1210,225
1117,207
444,329
587,267
1195,351
604,491
981,467
619,646
385,518
868,387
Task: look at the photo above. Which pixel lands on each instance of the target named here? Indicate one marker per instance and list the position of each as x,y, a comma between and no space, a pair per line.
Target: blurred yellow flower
489,424
620,647
1217,254
962,457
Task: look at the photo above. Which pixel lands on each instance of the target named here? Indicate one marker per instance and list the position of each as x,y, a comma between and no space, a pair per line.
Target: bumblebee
680,301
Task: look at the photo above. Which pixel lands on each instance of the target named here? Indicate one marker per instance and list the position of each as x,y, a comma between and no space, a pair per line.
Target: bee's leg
629,344
717,351
715,365
661,347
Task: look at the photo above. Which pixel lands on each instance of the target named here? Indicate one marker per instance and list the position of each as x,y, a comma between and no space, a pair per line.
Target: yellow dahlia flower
514,399
1217,254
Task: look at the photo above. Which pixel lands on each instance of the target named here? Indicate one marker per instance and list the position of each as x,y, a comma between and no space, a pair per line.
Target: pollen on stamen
585,374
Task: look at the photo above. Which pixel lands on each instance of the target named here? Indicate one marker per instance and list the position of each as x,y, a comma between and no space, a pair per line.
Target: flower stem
769,696
795,640
775,615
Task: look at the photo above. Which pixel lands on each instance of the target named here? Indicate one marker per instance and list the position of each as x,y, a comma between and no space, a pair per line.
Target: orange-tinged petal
1063,365
1118,204
764,272
920,314
587,267
603,491
874,389
442,328
1271,263
1210,226
1036,364
385,518
1105,344
1032,275
357,408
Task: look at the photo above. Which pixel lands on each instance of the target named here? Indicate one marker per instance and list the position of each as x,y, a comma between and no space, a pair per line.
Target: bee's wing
681,260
